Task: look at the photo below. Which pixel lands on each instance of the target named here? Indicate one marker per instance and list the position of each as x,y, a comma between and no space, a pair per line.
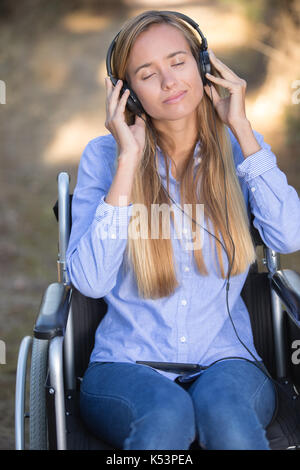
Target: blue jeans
132,406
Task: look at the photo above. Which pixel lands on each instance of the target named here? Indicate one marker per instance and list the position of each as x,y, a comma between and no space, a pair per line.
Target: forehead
155,42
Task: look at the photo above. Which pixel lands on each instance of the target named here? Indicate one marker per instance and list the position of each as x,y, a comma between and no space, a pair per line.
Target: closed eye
175,65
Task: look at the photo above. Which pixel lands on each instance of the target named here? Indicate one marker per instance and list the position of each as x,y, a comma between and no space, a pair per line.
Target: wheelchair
63,338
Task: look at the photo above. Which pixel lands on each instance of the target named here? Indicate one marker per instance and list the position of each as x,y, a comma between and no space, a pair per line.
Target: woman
166,294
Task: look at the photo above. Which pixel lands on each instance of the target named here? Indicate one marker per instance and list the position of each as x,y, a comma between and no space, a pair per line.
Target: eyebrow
150,63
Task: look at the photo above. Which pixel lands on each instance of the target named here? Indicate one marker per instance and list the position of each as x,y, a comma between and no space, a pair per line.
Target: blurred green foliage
292,125
260,10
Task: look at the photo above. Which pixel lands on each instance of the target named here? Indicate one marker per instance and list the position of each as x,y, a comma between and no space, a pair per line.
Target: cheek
194,84
198,89
197,82
150,99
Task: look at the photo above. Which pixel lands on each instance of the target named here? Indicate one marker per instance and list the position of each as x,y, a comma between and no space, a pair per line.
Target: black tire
38,436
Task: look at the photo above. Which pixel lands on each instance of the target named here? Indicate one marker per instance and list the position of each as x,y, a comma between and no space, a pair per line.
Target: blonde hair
152,258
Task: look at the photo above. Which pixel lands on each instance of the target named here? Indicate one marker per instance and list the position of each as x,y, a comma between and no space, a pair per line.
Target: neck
179,136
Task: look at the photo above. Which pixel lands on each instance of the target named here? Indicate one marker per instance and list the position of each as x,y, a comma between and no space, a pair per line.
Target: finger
212,93
108,88
221,67
114,96
115,89
123,101
231,86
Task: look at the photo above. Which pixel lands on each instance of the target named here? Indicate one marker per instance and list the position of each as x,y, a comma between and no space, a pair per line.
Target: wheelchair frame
54,327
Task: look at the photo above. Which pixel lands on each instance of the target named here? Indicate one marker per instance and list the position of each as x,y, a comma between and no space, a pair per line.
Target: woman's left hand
231,110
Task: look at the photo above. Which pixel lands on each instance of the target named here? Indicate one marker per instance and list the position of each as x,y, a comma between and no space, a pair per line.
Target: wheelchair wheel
38,438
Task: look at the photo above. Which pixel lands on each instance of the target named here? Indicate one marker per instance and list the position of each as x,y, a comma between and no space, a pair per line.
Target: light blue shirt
191,325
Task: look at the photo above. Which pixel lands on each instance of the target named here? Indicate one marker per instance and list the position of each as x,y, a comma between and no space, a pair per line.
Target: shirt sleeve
99,231
274,204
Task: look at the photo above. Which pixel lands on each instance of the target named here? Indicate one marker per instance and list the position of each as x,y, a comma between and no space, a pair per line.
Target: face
157,74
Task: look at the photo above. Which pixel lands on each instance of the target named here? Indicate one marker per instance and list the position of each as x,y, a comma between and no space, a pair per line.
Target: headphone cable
233,245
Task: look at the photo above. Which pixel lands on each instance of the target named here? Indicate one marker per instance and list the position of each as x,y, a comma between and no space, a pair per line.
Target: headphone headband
203,46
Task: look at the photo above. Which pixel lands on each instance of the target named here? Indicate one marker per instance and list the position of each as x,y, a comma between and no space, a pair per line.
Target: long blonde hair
152,258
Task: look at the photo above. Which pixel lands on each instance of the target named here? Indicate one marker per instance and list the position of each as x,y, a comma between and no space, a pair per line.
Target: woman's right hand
130,139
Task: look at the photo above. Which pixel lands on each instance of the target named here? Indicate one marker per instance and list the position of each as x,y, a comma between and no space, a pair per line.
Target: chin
176,114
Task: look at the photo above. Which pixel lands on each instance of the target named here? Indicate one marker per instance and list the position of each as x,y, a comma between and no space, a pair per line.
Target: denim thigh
234,402
132,406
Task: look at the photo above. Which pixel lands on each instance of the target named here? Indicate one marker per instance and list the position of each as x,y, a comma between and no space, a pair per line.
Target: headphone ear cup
205,66
133,103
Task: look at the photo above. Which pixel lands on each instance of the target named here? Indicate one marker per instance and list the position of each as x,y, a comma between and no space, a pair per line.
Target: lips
175,98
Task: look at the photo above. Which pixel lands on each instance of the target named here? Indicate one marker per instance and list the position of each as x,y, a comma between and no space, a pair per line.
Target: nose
168,79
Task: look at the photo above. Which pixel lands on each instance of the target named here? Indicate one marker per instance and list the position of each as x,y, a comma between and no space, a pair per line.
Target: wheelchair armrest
286,284
53,314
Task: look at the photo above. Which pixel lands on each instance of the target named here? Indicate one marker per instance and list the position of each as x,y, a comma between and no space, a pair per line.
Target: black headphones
133,103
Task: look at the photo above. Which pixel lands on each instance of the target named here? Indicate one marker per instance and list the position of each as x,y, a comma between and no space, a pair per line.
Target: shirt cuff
117,215
256,164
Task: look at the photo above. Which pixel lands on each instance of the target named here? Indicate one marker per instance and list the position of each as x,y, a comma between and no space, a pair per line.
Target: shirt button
184,230
183,339
183,302
186,268
253,189
113,235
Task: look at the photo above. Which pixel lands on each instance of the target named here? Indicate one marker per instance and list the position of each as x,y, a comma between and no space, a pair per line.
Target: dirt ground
53,64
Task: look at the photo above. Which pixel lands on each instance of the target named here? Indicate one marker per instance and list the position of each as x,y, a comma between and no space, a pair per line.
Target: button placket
182,339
